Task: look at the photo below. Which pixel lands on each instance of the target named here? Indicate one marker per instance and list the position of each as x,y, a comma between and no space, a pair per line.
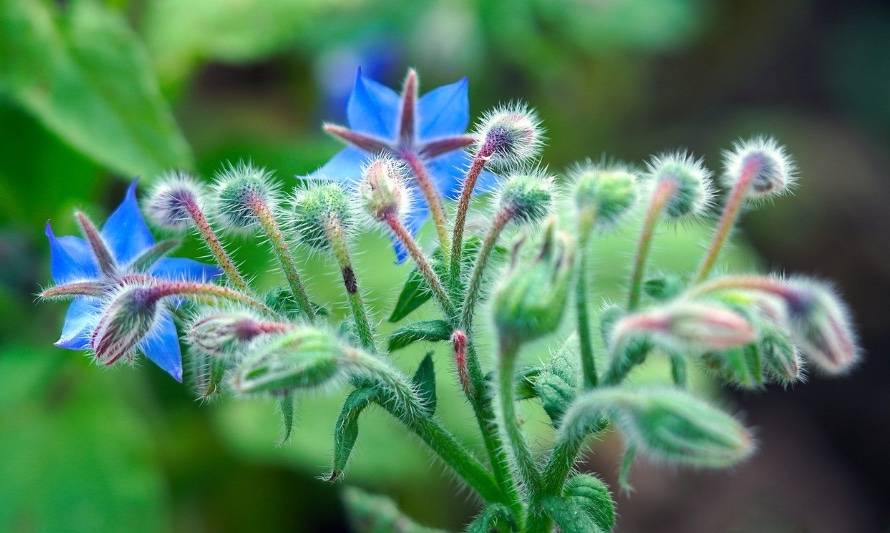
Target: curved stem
423,265
183,288
433,200
727,218
363,327
743,282
279,245
491,239
663,192
463,206
585,337
522,455
205,230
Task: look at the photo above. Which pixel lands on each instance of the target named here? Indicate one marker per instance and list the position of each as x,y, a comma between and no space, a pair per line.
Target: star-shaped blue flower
431,128
126,237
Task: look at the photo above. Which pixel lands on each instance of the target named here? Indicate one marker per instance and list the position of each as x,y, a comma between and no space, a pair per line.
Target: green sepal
556,386
286,406
569,515
425,381
663,287
426,330
678,370
346,430
592,495
490,518
525,382
370,513
207,373
741,366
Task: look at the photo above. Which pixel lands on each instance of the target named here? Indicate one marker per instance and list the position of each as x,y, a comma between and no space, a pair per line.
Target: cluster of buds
747,330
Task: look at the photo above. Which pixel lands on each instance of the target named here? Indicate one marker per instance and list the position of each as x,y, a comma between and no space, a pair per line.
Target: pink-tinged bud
172,200
459,342
686,325
509,135
126,320
688,182
225,334
821,326
382,191
764,163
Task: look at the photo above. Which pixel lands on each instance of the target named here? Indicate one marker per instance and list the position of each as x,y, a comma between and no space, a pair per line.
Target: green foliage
592,495
426,330
83,73
370,513
425,382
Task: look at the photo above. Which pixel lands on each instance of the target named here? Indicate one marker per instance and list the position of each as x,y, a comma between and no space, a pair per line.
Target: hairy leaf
425,381
378,514
570,516
592,495
427,330
346,430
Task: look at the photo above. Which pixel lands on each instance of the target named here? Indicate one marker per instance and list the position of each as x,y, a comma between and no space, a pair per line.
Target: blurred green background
94,93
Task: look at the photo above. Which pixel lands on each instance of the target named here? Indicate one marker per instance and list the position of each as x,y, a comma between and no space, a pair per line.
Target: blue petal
70,258
444,110
79,322
413,222
180,268
345,166
125,230
373,108
162,347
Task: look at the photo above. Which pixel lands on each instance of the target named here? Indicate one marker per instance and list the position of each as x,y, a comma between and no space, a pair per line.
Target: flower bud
691,182
382,190
685,325
125,321
527,196
772,168
224,334
306,357
594,497
609,193
509,135
316,209
672,425
171,199
820,326
240,189
530,301
781,359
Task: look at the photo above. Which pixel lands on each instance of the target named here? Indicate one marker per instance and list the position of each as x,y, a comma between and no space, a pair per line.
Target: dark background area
619,77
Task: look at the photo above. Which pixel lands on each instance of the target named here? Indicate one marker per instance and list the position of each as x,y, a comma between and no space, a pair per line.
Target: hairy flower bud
527,196
781,359
171,199
382,190
306,357
316,209
530,301
820,326
126,320
690,180
674,426
764,162
224,334
685,325
509,135
240,189
608,192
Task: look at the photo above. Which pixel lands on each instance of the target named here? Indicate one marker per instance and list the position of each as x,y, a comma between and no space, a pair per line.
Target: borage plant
405,157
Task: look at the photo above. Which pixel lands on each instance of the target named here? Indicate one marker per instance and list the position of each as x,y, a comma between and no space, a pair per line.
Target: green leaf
84,74
592,495
491,517
283,301
427,330
377,514
286,406
627,463
569,516
425,381
346,430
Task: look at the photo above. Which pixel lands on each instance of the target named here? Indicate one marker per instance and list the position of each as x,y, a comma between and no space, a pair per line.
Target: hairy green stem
663,192
282,251
585,337
501,220
525,463
340,248
463,207
205,230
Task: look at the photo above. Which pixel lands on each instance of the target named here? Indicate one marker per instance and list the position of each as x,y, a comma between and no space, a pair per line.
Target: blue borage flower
126,236
431,128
